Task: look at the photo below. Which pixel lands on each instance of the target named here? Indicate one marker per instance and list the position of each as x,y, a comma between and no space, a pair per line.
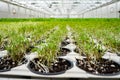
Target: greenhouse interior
59,39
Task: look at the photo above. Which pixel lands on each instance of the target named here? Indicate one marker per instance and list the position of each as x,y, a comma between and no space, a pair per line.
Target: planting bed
102,66
6,63
76,48
57,67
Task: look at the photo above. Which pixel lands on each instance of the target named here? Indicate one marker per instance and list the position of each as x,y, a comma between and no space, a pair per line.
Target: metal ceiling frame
63,3
103,5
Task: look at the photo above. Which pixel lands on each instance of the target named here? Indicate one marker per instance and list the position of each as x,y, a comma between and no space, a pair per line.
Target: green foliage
21,33
105,31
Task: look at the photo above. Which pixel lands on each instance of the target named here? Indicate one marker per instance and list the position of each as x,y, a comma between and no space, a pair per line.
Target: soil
2,49
60,65
77,50
63,52
101,66
64,43
6,63
29,48
40,41
118,54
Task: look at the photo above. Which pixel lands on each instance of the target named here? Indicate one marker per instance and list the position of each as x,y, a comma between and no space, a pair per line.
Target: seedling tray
74,72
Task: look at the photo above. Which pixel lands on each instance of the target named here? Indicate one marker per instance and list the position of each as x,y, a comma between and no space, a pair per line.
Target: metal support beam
106,4
19,5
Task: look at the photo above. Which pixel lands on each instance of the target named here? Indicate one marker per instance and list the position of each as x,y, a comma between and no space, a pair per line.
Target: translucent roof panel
63,6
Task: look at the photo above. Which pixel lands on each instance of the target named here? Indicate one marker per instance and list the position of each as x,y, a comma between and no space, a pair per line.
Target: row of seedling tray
59,56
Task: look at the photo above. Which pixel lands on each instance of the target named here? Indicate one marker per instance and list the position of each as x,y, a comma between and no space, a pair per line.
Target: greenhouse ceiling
63,6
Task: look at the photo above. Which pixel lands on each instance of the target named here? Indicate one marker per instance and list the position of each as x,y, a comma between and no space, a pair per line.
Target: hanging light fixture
14,11
76,2
33,3
54,2
98,2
